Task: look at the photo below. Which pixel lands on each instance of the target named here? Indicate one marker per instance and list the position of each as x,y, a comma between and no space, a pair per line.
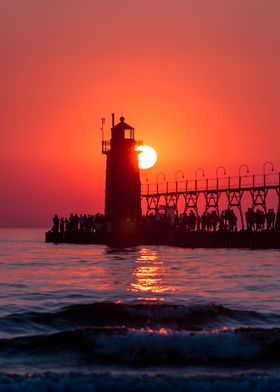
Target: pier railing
222,184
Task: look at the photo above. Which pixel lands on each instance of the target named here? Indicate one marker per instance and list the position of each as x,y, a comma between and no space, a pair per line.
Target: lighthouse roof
122,126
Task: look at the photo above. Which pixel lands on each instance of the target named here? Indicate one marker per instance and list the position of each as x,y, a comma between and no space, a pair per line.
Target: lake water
91,318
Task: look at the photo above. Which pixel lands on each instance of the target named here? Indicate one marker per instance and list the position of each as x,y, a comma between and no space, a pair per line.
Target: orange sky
199,80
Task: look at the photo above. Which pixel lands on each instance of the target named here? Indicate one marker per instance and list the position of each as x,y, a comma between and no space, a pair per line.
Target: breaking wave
108,314
139,336
151,347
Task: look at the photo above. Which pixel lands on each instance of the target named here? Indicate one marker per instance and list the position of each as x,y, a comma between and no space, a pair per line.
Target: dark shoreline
185,239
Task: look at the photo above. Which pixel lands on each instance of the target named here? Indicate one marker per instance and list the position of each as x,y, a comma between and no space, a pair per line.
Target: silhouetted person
67,226
222,221
71,222
214,219
203,221
55,224
231,220
198,223
270,219
250,219
260,220
61,226
192,220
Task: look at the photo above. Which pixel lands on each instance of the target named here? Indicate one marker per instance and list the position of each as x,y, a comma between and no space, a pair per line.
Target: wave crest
108,314
152,347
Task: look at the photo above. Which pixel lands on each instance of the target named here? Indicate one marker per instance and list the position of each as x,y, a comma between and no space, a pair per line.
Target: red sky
199,81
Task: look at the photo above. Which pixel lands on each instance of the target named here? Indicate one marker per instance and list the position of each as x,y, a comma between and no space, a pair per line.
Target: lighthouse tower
123,189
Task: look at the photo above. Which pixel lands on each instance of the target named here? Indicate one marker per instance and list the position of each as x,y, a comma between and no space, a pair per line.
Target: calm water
85,317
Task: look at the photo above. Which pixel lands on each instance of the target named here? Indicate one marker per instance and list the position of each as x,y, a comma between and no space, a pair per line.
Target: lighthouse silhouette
123,188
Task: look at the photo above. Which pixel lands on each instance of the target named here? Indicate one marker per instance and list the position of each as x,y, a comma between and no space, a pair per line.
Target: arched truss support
259,198
191,200
171,201
212,200
152,203
234,200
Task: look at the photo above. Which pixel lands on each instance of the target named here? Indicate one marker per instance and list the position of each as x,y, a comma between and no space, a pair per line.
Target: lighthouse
123,188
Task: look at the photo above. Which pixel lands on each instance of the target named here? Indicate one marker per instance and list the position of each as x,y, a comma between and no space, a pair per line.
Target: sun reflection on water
149,276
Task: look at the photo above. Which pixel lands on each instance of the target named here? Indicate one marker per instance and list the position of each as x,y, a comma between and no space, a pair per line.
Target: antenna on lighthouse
102,127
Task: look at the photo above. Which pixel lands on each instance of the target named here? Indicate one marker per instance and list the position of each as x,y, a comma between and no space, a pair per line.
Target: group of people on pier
259,221
83,222
212,221
208,221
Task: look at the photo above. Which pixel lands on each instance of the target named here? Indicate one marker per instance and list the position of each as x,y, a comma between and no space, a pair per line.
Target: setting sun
147,157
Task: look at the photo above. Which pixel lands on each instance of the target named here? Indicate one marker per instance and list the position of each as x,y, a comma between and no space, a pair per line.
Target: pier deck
198,239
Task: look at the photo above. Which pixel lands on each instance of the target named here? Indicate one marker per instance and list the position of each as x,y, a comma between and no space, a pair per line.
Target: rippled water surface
76,311
34,274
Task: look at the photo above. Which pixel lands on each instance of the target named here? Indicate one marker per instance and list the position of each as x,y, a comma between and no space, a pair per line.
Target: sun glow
147,157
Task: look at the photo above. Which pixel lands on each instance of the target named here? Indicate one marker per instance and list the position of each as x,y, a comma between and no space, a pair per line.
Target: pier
219,239
168,205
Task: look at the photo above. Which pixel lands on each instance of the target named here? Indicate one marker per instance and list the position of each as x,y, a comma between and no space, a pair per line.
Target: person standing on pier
55,224
61,226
